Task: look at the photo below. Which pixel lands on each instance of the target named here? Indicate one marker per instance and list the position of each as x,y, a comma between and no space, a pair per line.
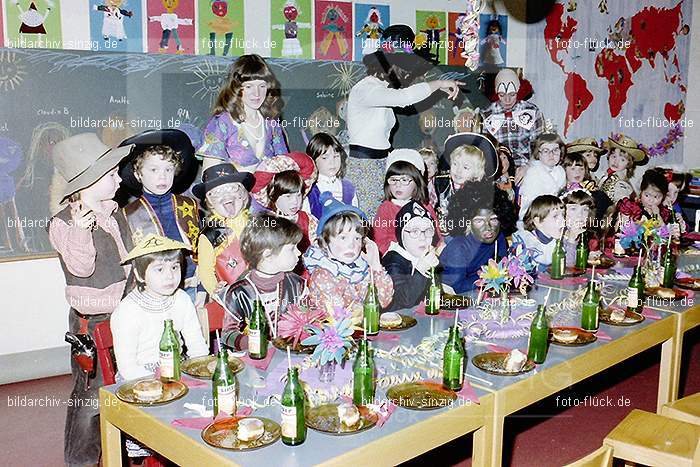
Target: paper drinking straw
218,339
456,317
495,250
364,327
546,299
639,259
592,272
289,358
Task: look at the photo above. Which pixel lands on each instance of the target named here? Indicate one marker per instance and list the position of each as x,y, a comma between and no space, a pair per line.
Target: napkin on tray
260,364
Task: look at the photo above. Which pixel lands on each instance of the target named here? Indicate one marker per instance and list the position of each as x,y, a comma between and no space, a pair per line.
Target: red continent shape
613,67
557,34
654,30
674,112
578,97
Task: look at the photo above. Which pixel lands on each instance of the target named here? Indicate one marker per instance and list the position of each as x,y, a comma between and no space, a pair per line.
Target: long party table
407,434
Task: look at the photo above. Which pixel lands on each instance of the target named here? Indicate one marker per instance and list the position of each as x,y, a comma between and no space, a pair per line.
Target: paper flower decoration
493,276
632,234
331,341
518,273
294,322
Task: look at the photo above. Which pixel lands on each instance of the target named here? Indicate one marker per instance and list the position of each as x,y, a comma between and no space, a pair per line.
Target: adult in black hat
391,71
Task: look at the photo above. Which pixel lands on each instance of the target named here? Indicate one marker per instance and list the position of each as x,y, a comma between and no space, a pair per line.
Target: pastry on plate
566,336
515,361
617,315
148,390
348,414
390,319
250,429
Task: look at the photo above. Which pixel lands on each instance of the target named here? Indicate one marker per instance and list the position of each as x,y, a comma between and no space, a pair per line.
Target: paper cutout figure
220,25
493,44
169,22
334,22
371,31
113,22
32,20
291,47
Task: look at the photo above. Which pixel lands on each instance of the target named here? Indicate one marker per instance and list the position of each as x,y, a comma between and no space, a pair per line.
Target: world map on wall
648,36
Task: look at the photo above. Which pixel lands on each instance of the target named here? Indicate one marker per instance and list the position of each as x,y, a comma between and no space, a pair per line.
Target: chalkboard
48,95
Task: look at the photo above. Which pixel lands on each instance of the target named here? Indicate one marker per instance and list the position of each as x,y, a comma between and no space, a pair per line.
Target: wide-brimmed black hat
175,139
220,174
478,140
398,48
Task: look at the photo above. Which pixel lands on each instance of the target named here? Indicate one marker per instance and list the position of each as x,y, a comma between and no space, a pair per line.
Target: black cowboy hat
478,140
220,174
177,140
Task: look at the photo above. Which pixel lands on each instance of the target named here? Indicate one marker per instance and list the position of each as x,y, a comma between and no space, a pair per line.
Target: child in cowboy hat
224,191
624,154
137,323
589,149
162,165
91,237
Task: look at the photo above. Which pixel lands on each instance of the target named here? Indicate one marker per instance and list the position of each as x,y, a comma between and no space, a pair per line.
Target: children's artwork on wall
34,24
171,26
221,27
457,27
431,32
291,28
370,22
116,25
493,32
333,26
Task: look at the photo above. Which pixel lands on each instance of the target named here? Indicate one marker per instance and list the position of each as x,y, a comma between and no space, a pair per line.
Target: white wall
691,155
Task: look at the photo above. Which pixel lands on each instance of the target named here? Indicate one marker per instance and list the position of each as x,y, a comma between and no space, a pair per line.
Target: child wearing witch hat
91,237
163,165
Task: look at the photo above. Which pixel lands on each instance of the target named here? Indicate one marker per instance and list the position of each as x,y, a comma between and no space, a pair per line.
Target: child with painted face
331,162
544,223
404,181
410,259
269,246
475,232
544,175
340,262
224,191
137,323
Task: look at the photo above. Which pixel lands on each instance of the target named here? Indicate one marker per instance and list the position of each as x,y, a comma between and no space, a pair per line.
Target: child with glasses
476,234
404,182
410,259
544,175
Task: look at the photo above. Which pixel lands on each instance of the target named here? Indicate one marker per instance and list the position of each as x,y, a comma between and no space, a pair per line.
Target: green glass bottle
293,418
635,291
453,360
363,381
589,313
169,348
582,252
257,332
669,266
224,385
539,336
432,299
371,310
558,261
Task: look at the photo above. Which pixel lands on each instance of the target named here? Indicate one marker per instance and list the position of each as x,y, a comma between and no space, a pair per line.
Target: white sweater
540,180
370,115
136,334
